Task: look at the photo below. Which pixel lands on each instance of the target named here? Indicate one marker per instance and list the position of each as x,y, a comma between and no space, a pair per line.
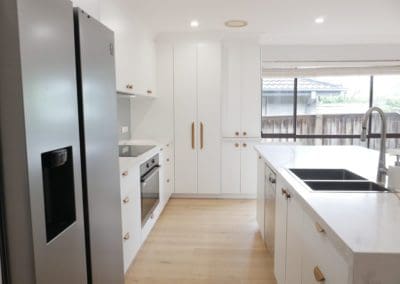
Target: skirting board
214,196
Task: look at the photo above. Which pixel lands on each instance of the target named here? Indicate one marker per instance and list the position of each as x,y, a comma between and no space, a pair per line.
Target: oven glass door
150,192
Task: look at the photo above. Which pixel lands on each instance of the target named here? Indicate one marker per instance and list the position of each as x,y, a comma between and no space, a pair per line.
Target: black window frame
296,136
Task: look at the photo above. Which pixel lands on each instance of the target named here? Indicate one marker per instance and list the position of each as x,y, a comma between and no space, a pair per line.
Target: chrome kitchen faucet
382,170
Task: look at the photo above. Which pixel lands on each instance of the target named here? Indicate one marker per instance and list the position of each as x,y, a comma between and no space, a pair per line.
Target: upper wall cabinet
135,50
241,81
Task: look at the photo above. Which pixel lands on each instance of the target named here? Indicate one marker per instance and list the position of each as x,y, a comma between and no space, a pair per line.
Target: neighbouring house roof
272,85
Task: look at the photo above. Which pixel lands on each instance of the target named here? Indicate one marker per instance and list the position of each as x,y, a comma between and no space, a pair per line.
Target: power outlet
124,129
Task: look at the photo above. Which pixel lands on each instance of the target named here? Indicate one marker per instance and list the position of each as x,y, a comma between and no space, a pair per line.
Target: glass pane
277,105
332,105
391,143
387,97
329,141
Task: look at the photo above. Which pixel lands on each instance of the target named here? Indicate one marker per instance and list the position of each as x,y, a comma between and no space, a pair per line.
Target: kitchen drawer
128,248
126,180
321,258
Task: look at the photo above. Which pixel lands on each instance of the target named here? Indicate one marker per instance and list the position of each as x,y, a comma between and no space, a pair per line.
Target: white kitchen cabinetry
239,167
131,212
134,47
321,260
288,235
197,72
260,195
167,173
241,95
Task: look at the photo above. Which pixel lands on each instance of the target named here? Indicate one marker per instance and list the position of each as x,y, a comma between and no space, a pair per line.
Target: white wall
92,7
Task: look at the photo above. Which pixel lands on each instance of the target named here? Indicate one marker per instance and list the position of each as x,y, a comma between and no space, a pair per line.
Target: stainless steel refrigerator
60,200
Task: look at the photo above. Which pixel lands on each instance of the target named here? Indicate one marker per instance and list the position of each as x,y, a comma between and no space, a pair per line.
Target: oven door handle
149,175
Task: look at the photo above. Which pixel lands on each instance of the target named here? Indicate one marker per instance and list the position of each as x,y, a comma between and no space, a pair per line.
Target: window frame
296,136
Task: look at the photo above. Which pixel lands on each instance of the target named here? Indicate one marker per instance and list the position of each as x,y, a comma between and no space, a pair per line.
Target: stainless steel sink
345,186
326,174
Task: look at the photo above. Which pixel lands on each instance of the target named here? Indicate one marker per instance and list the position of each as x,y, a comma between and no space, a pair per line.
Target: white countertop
364,222
126,162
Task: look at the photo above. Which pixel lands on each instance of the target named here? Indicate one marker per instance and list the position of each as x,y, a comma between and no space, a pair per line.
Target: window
328,110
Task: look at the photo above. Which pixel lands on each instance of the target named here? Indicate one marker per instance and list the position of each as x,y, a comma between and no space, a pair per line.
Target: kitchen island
331,237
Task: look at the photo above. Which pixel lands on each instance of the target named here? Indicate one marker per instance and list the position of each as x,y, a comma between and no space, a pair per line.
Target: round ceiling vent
236,23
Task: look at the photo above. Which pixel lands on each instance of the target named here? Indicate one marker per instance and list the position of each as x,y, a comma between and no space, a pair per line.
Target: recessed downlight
236,23
319,20
194,24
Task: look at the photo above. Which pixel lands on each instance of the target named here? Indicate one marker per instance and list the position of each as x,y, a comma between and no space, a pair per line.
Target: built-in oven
149,187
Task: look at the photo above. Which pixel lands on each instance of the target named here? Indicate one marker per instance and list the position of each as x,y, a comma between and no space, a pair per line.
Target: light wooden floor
204,241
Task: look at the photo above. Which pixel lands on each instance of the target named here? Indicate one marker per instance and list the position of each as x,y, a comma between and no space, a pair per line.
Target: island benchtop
364,222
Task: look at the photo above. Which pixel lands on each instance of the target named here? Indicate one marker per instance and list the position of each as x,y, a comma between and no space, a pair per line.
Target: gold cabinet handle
126,200
127,236
237,145
193,135
201,135
125,173
319,228
319,276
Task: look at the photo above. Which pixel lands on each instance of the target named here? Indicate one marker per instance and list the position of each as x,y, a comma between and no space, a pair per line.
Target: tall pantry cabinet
241,116
197,95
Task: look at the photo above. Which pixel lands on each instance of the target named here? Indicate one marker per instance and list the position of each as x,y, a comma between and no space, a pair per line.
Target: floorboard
204,241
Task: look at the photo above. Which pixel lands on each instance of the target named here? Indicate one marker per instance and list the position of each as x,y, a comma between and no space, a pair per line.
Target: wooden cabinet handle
319,228
126,200
319,276
201,135
127,236
125,173
193,135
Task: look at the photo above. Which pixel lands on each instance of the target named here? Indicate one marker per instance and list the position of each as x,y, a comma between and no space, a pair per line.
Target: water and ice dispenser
58,186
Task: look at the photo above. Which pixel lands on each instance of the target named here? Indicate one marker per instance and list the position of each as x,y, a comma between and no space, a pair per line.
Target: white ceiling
281,21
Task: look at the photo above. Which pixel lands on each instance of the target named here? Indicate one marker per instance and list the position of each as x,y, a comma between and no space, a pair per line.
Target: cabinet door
231,90
185,99
251,91
134,47
294,242
248,170
260,194
230,167
280,232
209,117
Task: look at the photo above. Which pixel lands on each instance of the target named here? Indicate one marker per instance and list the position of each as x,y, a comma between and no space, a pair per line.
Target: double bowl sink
340,180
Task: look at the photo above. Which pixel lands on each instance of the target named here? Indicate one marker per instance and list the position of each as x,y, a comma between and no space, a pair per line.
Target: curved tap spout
382,170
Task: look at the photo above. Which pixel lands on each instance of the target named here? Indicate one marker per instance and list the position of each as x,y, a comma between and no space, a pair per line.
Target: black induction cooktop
134,150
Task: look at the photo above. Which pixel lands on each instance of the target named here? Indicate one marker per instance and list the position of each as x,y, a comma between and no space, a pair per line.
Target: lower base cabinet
321,261
134,234
239,167
304,252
